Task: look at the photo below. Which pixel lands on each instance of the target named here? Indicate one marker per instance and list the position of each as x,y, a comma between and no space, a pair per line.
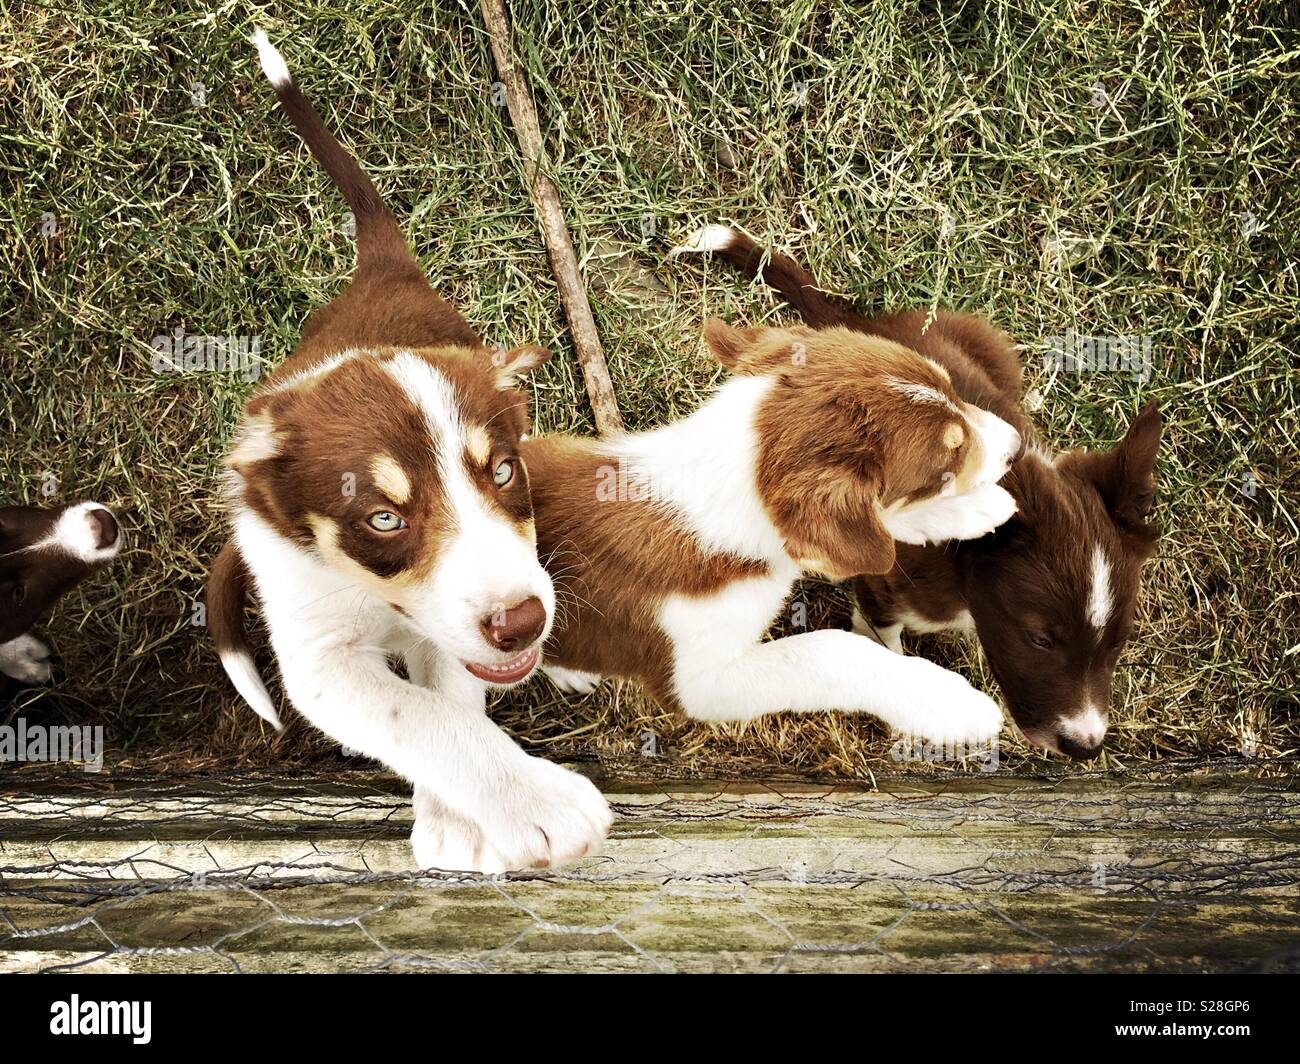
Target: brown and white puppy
381,508
674,550
44,553
1051,593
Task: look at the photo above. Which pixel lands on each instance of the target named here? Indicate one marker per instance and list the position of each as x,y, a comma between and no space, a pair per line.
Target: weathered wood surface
972,874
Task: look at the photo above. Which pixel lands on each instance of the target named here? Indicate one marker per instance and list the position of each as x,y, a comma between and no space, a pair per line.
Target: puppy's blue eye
385,521
504,473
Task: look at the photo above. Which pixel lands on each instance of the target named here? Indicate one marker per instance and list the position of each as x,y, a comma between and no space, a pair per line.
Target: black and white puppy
43,554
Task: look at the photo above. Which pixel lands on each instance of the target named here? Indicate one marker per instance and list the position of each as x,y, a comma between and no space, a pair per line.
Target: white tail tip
709,238
243,674
273,64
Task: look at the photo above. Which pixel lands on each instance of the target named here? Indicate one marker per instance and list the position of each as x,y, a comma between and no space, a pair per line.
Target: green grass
214,219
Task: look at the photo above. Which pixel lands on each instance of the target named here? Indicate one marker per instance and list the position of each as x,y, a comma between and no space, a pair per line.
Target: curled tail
379,239
227,596
781,272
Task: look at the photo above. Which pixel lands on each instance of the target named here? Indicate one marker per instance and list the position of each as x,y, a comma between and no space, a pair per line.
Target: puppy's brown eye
504,472
1041,641
385,521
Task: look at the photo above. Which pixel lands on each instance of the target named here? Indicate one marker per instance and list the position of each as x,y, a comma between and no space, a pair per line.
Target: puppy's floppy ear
513,364
1125,476
256,440
832,524
729,345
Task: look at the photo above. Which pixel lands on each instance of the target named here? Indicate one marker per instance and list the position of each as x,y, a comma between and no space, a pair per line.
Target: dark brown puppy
44,553
1051,593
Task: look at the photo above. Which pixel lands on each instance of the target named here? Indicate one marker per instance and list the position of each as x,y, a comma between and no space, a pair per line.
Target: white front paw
950,710
450,843
572,681
969,516
980,512
26,659
547,815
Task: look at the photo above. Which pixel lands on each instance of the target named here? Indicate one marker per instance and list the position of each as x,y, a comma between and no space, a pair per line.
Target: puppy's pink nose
516,627
105,526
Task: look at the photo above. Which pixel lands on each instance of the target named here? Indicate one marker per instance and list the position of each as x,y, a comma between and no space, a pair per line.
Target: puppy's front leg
442,838
531,812
815,672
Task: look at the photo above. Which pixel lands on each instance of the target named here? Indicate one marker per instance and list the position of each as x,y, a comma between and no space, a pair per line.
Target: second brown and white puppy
381,508
674,550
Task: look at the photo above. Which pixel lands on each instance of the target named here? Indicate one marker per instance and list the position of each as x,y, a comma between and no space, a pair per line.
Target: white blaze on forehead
435,398
487,563
433,395
1099,601
921,393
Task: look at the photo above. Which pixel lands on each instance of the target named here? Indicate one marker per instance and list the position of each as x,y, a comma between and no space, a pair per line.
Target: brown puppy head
855,432
1052,592
44,554
400,470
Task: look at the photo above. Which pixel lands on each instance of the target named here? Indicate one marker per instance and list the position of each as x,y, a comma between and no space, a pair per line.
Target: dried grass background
1110,167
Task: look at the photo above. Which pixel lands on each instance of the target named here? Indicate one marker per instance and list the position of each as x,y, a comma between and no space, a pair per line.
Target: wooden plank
1035,876
678,927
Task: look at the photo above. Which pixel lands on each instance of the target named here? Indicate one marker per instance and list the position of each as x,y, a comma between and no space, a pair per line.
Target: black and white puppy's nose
516,627
104,526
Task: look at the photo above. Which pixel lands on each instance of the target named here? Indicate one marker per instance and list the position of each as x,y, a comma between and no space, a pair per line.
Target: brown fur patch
613,562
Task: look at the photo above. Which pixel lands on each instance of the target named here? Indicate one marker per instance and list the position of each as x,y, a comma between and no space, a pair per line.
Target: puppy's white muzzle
488,573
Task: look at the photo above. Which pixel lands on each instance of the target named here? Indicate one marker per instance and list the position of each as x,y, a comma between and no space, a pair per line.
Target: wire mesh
1188,868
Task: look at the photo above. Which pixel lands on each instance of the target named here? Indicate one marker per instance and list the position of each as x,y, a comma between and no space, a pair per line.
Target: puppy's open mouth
508,671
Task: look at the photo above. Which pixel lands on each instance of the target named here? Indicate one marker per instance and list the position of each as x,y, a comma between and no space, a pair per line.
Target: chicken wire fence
1193,867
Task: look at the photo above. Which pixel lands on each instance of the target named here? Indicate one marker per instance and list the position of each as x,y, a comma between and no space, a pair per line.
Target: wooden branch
546,198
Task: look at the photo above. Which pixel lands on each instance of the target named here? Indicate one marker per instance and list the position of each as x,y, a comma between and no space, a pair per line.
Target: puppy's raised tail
781,272
227,596
379,238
